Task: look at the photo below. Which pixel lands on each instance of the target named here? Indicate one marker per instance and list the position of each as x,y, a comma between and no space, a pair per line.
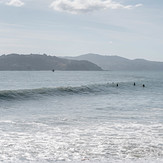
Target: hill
35,62
120,63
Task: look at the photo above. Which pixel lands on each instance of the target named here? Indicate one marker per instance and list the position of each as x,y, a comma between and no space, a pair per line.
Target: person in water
134,84
143,85
117,85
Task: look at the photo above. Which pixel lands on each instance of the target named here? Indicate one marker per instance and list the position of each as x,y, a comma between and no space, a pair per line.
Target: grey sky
128,28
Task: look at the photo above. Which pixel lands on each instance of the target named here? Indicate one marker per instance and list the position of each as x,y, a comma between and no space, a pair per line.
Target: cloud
16,3
84,6
138,5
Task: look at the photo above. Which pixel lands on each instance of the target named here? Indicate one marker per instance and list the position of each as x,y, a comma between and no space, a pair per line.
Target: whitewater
79,116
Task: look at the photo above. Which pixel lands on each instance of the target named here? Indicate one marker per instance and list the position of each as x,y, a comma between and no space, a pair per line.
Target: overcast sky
128,28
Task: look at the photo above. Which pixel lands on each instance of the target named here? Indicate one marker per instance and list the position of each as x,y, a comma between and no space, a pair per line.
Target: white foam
116,142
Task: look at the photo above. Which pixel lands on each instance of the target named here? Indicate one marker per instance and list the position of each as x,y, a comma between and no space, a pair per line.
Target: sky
128,28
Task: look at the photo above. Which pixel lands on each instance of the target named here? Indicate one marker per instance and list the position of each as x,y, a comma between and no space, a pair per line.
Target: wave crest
59,91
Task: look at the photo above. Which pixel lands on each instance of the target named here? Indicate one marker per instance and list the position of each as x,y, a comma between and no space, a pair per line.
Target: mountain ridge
107,62
36,62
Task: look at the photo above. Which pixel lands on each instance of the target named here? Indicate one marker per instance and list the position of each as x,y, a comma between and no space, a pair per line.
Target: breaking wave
20,94
59,91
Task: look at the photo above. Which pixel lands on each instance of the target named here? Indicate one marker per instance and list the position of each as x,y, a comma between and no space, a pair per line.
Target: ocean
79,116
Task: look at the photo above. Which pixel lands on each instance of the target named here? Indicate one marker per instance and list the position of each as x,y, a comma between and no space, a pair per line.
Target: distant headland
117,63
37,62
87,62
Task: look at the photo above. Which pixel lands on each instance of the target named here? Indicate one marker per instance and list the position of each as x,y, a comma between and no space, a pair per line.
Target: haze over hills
120,63
87,62
17,62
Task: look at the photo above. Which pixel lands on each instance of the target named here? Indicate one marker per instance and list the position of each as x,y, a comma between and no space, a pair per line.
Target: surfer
143,85
117,85
134,84
53,70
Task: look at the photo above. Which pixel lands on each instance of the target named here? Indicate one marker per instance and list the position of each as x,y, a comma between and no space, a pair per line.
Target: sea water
81,117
